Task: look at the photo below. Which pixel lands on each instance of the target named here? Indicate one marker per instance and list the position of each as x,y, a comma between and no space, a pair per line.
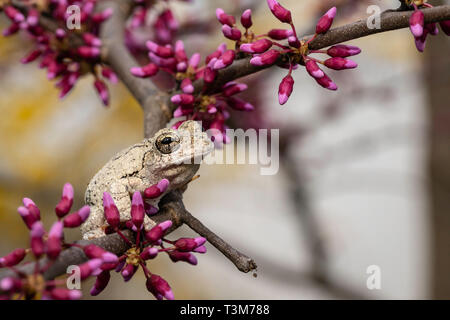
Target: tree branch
390,20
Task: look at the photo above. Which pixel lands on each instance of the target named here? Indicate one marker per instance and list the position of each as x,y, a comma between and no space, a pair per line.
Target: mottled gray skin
140,166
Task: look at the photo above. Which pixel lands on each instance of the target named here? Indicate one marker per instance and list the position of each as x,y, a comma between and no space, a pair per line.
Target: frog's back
126,163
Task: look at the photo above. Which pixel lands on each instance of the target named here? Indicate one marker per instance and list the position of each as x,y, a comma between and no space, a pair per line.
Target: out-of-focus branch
390,20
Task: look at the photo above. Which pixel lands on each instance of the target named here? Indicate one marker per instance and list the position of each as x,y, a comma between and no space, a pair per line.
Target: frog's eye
167,143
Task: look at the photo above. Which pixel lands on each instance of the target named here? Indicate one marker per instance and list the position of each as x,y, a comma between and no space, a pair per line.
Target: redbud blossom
91,40
144,72
159,287
94,252
64,205
87,268
258,46
31,56
432,28
313,69
163,52
31,206
326,82
280,34
12,258
112,214
37,242
416,23
33,17
183,98
231,33
65,294
224,18
340,63
156,190
55,235
209,75
188,257
246,19
225,59
232,88
157,232
128,271
189,244
421,41
186,86
279,11
75,219
239,104
149,253
285,89
13,14
27,217
326,21
137,210
102,91
343,51
100,283
88,52
265,59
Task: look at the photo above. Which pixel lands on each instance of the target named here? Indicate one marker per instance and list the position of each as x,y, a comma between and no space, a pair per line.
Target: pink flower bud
102,91
101,282
280,34
231,33
209,75
170,63
194,61
183,98
340,63
163,52
27,217
421,41
188,257
445,26
246,19
87,268
189,244
112,214
137,210
159,287
144,72
186,86
326,21
54,245
109,74
32,208
156,190
91,40
180,53
33,55
258,46
416,23
94,252
170,20
12,29
128,272
65,294
313,69
182,111
65,204
239,104
149,253
232,88
13,14
60,34
37,242
216,54
279,11
266,59
157,232
432,28
343,51
326,82
33,17
75,219
201,249
225,60
88,52
285,89
225,18
11,284
13,258
294,42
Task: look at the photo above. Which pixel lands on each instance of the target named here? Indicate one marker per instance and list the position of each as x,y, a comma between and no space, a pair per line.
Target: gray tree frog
171,154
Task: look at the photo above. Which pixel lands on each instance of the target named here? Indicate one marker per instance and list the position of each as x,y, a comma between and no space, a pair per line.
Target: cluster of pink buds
66,54
417,25
49,244
295,52
193,104
148,243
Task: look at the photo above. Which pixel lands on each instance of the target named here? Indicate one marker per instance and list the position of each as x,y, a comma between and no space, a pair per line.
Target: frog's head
176,154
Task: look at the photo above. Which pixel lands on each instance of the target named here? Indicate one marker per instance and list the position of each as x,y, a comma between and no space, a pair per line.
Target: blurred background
364,173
